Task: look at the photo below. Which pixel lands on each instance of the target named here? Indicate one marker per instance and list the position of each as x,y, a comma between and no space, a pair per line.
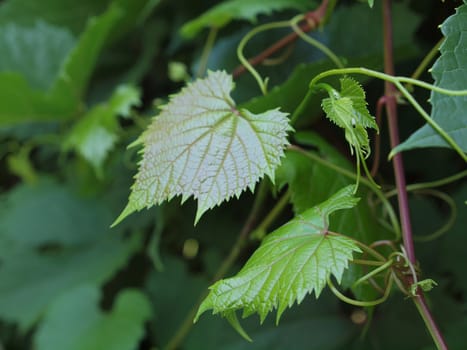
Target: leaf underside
449,72
294,260
201,145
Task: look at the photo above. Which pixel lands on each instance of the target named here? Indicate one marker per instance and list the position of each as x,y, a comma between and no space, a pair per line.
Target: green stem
370,251
397,82
273,214
203,62
313,42
451,220
431,184
365,248
360,303
449,223
301,107
430,121
426,61
386,77
241,46
367,262
392,216
373,273
366,170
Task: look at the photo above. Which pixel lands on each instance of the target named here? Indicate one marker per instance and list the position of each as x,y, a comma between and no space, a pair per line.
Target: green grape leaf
221,14
56,12
292,261
82,60
310,182
120,328
56,215
46,46
20,164
320,324
201,145
30,280
348,110
19,102
95,134
125,97
449,72
298,172
52,59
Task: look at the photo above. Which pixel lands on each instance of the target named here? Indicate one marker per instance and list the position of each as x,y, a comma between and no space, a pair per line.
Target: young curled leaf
292,261
201,145
348,110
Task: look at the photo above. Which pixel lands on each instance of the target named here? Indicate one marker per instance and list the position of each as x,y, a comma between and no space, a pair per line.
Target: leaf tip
231,316
393,153
129,209
199,213
280,311
205,305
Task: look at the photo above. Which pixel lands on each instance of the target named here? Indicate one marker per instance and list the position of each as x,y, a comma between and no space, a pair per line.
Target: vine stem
391,110
407,236
313,19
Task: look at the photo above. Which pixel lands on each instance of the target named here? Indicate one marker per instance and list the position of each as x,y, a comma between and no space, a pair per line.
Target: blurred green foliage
79,81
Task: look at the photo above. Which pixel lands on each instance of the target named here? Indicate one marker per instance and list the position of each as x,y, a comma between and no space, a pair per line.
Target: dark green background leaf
30,281
47,45
220,15
449,72
46,212
90,329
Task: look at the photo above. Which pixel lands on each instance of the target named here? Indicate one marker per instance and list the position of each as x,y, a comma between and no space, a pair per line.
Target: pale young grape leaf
294,260
223,13
95,134
91,329
347,109
449,72
201,145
